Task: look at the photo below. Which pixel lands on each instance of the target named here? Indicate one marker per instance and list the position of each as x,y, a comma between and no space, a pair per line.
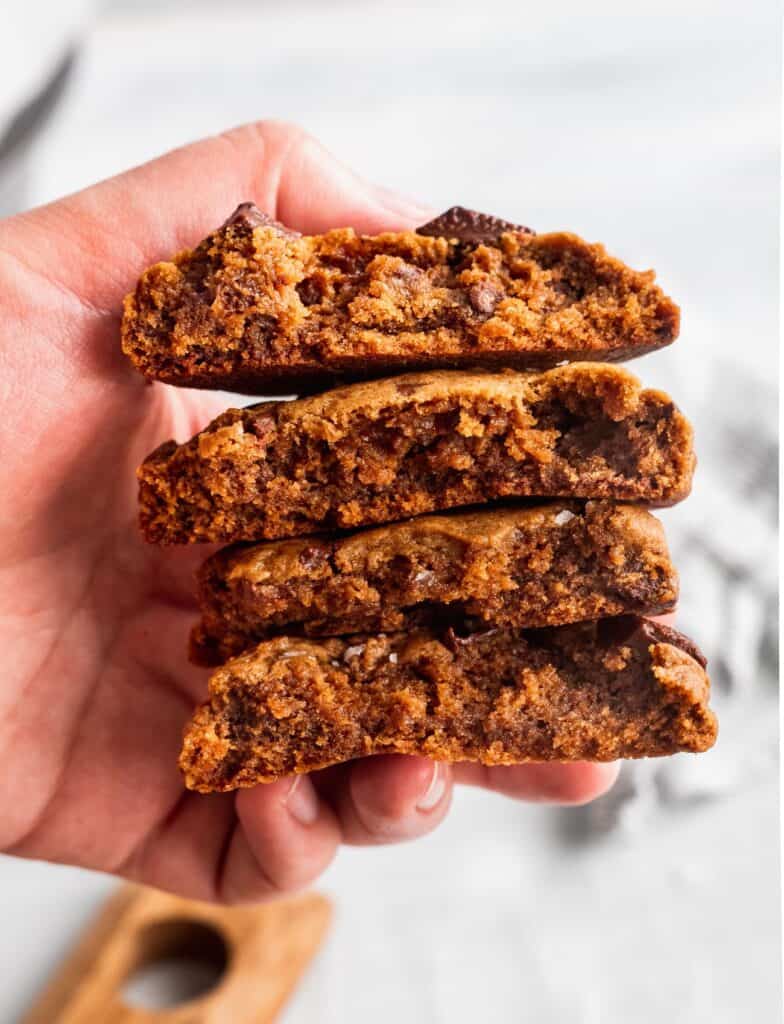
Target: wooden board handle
268,948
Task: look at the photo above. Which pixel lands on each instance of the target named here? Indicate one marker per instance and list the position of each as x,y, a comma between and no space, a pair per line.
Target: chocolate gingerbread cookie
597,691
258,308
520,567
383,451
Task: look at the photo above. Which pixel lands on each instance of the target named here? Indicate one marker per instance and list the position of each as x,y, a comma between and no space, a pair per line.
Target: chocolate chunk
248,215
640,633
310,291
483,297
263,427
469,226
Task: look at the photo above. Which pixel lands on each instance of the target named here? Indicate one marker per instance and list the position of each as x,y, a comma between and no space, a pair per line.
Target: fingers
280,837
335,196
570,784
389,798
288,832
284,838
97,241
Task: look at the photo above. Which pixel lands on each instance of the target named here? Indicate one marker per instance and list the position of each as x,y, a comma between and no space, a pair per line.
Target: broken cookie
261,309
387,450
596,691
521,567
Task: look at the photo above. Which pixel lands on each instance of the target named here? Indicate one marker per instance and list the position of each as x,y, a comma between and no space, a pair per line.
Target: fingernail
301,801
435,791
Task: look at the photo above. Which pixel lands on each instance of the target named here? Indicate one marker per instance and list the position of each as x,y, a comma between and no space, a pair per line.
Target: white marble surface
653,127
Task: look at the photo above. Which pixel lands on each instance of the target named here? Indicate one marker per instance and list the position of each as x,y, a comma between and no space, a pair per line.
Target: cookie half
260,309
520,567
617,688
387,450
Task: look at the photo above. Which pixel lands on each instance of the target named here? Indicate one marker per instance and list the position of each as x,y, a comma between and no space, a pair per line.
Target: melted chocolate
635,631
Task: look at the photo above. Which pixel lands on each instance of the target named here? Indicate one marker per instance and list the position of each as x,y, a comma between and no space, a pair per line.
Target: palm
93,622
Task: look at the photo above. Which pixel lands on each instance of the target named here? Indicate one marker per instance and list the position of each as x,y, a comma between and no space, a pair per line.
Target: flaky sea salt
424,577
563,517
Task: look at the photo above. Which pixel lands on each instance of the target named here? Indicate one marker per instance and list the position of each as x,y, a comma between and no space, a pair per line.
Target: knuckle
260,887
265,134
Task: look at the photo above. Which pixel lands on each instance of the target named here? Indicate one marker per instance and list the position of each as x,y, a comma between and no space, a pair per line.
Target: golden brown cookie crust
521,567
387,450
260,309
593,691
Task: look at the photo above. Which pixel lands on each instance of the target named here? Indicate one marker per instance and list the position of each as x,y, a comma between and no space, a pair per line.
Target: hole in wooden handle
177,962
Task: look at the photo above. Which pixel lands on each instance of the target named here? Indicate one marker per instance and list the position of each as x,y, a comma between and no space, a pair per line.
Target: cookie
386,450
518,567
617,688
260,309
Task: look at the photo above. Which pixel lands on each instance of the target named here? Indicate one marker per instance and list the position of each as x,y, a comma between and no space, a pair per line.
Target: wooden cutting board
266,949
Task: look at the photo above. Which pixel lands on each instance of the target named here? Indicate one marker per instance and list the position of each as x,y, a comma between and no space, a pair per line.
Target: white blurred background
653,127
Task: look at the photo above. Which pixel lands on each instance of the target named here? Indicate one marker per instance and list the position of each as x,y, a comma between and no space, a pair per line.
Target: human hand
93,622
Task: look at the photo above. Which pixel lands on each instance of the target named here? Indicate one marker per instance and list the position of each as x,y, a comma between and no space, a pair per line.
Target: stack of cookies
363,607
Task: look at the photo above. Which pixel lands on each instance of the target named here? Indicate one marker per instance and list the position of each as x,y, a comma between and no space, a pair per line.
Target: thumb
118,227
317,192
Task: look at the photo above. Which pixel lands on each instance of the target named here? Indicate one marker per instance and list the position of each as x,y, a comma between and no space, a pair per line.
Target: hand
93,623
